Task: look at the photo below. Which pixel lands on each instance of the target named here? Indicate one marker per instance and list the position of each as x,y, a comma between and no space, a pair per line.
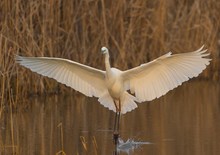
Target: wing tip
201,49
203,52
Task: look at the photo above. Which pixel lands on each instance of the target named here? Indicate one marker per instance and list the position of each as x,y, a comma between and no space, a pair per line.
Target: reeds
61,152
86,146
135,32
12,147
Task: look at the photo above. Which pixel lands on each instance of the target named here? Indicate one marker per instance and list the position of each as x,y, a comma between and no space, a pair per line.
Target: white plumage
147,81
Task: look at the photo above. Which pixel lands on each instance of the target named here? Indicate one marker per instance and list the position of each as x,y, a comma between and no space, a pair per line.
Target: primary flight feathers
147,81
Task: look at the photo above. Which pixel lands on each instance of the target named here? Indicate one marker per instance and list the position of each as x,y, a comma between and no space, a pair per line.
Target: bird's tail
106,100
127,102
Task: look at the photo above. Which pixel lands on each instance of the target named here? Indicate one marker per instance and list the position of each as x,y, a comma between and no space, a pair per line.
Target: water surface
184,122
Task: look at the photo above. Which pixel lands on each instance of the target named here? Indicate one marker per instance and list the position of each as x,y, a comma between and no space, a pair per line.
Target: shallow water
184,122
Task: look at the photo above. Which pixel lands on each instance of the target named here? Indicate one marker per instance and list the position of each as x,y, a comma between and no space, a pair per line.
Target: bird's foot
115,137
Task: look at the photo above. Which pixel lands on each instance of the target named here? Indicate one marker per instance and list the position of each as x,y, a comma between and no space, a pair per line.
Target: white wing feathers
85,79
156,78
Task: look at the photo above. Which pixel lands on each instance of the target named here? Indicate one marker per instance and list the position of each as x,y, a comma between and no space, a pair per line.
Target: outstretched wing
85,79
154,79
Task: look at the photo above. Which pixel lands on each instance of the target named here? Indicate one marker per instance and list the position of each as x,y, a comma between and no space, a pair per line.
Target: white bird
147,81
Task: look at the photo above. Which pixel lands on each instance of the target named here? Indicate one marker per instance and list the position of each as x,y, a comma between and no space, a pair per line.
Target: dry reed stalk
2,95
62,152
94,142
12,124
84,143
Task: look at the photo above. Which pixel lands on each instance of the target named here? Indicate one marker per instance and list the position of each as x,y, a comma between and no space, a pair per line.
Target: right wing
156,78
85,79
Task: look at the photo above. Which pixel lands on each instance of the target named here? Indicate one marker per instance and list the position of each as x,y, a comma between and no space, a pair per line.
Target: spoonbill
145,82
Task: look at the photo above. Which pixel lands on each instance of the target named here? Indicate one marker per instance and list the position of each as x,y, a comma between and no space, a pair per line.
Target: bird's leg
119,108
116,118
119,114
116,134
116,115
116,125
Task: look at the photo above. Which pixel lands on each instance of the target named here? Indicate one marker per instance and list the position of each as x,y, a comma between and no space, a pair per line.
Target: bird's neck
107,63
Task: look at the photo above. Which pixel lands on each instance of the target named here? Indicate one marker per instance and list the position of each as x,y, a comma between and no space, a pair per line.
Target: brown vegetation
135,32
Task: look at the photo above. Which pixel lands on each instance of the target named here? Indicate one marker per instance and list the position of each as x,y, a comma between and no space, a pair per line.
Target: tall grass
135,31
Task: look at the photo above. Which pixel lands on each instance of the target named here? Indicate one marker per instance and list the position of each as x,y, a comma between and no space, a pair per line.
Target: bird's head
104,50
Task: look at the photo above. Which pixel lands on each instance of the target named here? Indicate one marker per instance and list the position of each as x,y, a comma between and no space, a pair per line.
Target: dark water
184,122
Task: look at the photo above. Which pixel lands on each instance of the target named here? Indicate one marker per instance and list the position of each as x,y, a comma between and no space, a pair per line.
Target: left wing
154,79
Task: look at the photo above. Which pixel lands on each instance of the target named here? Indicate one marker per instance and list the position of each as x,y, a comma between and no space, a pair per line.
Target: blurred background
135,31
